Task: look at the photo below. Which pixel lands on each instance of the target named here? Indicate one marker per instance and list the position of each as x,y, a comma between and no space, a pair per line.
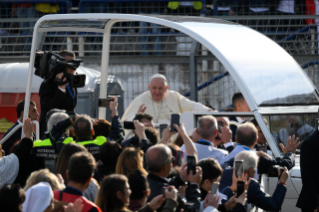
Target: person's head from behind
212,172
145,118
80,169
152,135
11,198
33,111
114,193
158,86
139,186
159,160
39,197
83,128
130,160
247,135
55,119
43,175
102,128
64,156
261,138
239,103
250,163
110,152
207,127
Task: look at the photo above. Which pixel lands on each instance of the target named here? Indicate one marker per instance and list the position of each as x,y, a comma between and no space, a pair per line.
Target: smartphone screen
191,164
162,127
50,164
240,187
179,157
105,102
214,188
174,120
129,125
238,166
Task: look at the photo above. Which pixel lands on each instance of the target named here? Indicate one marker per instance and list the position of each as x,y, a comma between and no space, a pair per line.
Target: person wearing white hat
38,198
160,102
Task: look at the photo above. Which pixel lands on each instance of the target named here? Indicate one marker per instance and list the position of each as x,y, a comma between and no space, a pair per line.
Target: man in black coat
33,115
159,163
57,96
309,167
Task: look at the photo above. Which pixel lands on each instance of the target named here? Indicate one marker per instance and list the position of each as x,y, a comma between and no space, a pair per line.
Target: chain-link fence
138,51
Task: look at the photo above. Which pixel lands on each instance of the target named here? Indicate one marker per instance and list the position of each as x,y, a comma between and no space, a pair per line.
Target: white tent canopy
262,70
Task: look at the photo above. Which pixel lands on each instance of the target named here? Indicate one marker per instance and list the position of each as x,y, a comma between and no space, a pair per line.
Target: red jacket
70,194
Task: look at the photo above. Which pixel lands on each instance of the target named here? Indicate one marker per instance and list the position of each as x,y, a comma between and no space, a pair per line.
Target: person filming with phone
256,197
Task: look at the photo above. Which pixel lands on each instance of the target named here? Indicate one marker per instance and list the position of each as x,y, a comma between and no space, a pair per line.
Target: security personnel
83,129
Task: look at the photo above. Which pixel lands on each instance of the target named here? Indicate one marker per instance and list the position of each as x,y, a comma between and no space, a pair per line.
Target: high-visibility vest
47,142
99,141
47,8
173,5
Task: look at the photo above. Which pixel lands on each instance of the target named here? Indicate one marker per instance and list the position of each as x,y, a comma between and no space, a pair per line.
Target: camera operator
59,95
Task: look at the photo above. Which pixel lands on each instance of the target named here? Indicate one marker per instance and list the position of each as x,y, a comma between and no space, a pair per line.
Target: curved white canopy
263,71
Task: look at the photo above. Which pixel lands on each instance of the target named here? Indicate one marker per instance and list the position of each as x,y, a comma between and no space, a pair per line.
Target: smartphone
163,191
220,124
179,157
214,188
162,127
239,166
105,102
129,125
191,164
50,164
240,187
174,120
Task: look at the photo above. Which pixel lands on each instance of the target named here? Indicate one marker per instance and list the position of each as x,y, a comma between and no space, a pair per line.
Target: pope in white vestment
161,103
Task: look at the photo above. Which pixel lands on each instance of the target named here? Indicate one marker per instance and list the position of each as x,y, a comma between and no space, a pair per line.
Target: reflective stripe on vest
45,142
68,140
99,140
173,5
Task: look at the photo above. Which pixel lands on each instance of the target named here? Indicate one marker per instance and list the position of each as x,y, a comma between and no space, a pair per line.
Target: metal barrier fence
137,54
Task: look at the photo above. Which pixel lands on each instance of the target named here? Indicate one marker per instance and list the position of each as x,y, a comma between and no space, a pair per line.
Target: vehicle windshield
283,126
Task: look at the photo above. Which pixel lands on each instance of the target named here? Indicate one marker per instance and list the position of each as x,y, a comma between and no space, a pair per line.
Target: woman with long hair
130,159
114,196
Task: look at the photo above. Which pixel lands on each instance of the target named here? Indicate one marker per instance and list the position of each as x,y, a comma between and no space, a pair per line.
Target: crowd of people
84,164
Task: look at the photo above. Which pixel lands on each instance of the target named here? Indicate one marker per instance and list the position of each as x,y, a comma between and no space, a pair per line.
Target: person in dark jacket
309,167
22,151
159,163
57,96
255,195
33,115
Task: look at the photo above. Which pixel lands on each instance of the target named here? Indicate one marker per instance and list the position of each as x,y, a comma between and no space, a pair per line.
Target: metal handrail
37,134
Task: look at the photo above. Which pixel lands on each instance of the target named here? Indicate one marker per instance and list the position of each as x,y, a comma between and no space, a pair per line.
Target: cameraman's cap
73,64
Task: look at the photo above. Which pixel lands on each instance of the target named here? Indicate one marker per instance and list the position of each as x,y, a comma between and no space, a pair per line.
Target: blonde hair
43,175
129,160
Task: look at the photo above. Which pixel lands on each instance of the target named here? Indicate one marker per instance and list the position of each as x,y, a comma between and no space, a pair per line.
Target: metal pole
30,74
105,64
193,71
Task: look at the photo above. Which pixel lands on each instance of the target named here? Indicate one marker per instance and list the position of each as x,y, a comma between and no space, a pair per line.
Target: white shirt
240,120
205,151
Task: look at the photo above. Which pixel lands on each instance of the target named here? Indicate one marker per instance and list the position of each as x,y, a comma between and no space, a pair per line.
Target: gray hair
56,118
250,159
206,129
156,162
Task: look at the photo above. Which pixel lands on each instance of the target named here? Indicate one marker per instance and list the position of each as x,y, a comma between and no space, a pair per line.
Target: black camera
273,172
48,64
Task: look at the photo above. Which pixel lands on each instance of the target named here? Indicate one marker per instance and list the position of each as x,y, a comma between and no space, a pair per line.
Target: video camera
273,171
48,64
